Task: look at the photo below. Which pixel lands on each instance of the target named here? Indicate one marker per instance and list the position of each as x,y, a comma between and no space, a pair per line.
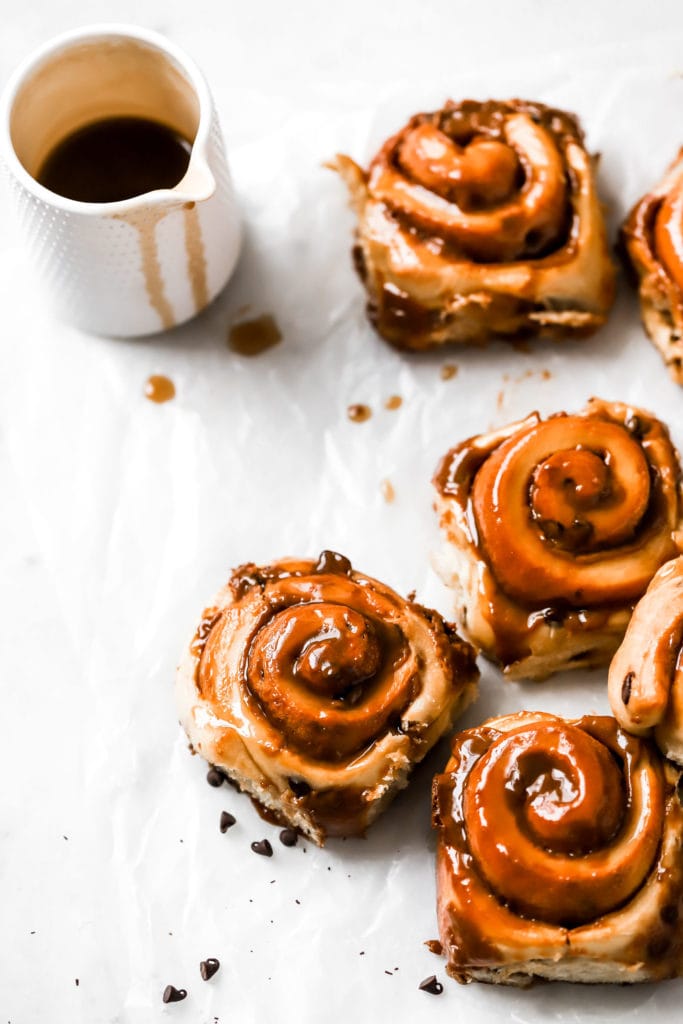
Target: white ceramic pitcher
140,265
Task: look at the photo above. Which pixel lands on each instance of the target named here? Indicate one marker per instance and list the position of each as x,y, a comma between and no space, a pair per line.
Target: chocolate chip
299,787
669,914
215,777
331,561
263,847
431,985
289,837
551,528
208,968
552,617
354,695
174,995
634,426
227,820
626,687
578,534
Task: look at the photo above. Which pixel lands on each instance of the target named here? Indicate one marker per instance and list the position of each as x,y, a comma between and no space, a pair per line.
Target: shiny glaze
578,510
327,665
544,826
651,241
668,234
646,674
486,178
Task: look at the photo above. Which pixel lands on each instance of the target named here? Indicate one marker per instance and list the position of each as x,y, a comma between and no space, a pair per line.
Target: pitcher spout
198,182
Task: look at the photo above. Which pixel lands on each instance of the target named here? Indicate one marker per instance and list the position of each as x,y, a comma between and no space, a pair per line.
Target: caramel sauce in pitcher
114,159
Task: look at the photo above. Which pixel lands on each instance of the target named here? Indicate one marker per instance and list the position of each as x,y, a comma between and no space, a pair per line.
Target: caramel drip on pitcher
196,257
145,224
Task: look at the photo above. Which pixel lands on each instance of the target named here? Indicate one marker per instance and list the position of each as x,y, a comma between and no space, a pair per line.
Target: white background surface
119,518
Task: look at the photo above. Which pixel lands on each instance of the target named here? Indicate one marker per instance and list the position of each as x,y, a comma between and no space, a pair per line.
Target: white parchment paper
114,870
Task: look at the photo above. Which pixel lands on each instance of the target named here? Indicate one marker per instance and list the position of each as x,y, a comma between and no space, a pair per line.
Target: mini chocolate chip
634,426
299,787
354,695
331,561
552,617
215,777
431,985
626,687
289,837
173,994
679,789
209,967
263,847
579,533
551,528
227,820
669,914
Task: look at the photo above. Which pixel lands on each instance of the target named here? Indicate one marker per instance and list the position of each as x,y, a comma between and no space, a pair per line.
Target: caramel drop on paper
159,388
251,337
359,413
388,492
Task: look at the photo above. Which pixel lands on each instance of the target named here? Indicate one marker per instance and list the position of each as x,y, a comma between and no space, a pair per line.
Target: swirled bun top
481,218
553,837
309,672
559,525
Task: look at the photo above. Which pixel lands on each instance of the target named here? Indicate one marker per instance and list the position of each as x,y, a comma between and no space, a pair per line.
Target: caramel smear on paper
388,492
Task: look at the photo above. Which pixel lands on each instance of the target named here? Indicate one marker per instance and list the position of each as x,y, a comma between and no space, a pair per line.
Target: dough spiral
554,529
480,219
554,837
317,688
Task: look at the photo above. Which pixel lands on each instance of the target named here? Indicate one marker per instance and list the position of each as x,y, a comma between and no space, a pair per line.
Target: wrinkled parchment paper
114,870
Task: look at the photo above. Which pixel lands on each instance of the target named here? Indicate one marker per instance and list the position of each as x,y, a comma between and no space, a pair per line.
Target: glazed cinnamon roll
316,689
481,219
646,674
558,854
553,530
652,238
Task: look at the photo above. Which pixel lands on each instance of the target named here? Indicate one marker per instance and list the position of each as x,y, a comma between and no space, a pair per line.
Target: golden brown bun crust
558,854
646,674
652,239
316,689
481,219
552,530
